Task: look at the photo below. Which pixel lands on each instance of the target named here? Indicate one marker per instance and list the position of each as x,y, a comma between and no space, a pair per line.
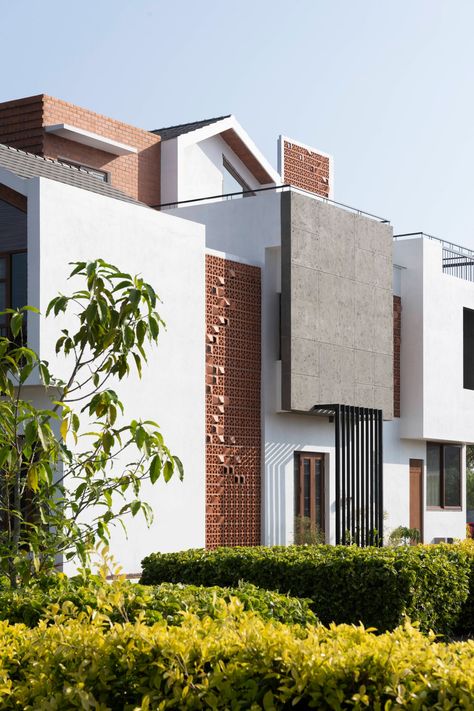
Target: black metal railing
275,188
456,260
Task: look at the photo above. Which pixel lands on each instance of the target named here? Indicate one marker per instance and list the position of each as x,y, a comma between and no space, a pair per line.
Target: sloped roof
173,131
29,165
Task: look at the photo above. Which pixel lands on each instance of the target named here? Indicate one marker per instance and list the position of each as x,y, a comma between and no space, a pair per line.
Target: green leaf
155,469
268,701
44,373
179,466
4,452
140,436
168,470
16,322
135,507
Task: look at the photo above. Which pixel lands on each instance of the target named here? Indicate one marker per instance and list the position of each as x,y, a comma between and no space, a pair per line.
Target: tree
53,470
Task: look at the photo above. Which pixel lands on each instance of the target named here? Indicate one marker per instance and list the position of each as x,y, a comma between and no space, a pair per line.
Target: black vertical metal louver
359,473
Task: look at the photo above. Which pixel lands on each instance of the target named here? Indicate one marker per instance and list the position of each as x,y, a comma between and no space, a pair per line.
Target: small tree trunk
15,533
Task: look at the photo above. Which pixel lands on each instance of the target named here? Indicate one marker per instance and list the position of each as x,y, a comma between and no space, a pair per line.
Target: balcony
456,260
261,191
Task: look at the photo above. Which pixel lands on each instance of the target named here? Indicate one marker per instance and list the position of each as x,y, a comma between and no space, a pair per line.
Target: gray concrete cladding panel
337,307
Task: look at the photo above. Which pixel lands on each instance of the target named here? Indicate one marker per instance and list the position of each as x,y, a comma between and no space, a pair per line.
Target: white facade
66,224
193,162
436,405
168,248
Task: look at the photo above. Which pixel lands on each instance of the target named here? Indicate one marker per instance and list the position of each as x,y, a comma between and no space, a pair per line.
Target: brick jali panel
397,339
233,423
305,169
137,174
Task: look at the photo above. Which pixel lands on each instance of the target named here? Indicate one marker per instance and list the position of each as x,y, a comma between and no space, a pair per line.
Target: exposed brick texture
397,339
22,126
305,169
233,424
21,123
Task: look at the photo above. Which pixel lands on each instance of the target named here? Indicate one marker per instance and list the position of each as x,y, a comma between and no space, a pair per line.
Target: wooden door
416,495
310,489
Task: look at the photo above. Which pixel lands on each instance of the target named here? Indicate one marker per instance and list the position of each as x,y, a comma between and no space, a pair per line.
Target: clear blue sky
387,87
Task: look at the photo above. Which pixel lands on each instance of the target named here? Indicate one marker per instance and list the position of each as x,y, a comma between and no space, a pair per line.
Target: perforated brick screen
233,424
305,168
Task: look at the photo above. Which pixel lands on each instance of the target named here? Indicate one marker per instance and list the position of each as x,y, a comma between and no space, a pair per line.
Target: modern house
313,365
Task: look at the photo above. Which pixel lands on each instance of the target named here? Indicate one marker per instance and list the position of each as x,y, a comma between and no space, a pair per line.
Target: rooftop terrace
457,261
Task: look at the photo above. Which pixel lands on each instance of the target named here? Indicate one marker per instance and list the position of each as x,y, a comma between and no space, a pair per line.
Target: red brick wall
397,339
21,123
233,424
138,175
305,169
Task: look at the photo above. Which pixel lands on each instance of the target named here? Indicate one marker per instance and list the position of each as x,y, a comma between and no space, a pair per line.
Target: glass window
19,282
452,476
443,475
101,175
232,182
433,476
468,349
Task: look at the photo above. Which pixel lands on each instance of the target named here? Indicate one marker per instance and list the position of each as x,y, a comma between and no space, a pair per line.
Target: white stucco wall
67,224
192,166
243,226
435,404
201,168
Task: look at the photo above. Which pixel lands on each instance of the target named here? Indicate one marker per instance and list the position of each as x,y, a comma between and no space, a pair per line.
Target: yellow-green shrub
235,661
123,601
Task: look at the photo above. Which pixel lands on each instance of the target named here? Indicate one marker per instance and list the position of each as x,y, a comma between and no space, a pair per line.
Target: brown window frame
442,488
299,487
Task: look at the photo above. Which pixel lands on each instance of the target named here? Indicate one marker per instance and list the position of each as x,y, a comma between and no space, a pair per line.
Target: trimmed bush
236,661
375,586
123,601
466,621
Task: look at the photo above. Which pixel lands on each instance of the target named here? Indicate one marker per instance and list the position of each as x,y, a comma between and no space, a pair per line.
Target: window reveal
443,476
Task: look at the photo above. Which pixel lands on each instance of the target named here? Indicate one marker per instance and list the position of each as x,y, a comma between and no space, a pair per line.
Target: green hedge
124,601
375,586
236,661
466,620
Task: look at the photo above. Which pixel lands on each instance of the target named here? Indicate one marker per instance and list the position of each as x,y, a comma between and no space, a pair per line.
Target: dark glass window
19,282
468,348
13,285
443,483
101,175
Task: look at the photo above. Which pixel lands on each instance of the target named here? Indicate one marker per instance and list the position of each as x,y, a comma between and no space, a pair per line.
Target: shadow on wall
279,471
149,171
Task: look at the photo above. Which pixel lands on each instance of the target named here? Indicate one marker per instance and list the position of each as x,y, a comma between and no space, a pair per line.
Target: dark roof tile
174,131
29,165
